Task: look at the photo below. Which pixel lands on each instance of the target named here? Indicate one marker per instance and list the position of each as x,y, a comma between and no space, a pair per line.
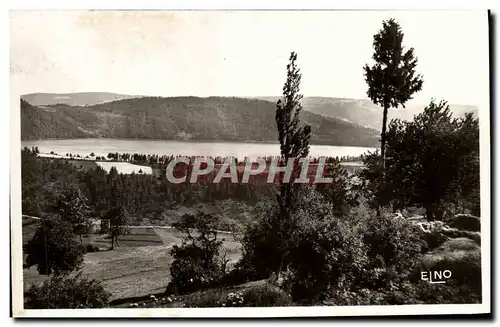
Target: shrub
323,253
397,241
198,262
267,244
240,274
63,292
212,298
262,248
393,247
266,296
258,296
409,293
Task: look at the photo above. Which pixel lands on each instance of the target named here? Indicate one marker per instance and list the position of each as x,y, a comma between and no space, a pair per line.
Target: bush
323,253
394,240
266,296
241,274
258,296
393,247
212,298
267,244
409,293
261,246
63,292
197,262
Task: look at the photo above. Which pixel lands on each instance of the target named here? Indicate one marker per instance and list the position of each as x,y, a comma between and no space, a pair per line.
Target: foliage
294,144
266,296
339,192
255,296
72,207
65,292
408,293
262,246
54,248
391,80
393,247
324,253
294,139
429,162
199,261
210,298
371,185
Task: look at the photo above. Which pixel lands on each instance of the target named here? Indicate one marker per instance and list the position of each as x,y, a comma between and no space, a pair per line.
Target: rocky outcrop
444,232
466,222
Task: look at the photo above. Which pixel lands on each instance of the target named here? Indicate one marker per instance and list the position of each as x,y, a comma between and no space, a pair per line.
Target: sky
241,53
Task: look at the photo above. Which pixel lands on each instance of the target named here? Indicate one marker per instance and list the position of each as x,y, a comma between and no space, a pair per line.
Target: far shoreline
185,141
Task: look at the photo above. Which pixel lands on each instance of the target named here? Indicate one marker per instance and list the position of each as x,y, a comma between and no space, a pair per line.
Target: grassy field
140,266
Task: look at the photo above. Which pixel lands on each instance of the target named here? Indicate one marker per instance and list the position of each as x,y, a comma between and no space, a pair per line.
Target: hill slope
364,112
73,99
181,118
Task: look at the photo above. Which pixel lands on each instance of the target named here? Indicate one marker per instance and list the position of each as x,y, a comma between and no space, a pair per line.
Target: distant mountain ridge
180,118
357,111
363,112
74,99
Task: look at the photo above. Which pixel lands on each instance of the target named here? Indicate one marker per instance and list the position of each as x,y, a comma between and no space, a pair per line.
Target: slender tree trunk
382,155
112,242
382,141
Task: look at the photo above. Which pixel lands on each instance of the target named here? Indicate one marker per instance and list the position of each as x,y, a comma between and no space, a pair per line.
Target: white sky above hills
241,53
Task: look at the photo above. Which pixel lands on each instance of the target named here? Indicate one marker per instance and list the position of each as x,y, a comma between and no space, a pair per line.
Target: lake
101,147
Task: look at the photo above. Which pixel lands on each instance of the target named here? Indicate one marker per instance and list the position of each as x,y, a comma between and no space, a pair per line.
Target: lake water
101,147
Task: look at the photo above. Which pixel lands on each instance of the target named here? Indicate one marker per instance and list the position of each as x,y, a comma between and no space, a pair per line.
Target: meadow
140,266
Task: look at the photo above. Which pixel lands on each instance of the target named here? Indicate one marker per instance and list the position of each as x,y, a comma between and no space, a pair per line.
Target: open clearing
140,266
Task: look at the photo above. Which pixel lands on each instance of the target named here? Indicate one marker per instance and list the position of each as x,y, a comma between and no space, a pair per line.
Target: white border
16,233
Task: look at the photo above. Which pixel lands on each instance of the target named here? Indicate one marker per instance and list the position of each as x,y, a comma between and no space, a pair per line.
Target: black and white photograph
250,163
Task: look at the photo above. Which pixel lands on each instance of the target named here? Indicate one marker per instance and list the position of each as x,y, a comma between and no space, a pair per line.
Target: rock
466,222
459,244
399,215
